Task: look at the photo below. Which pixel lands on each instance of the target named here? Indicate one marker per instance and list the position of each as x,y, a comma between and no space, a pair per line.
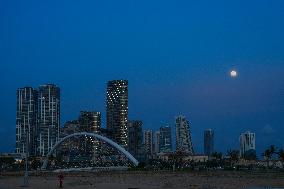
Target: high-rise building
26,121
157,142
165,139
90,121
247,144
69,149
183,136
148,143
135,138
208,142
117,111
48,118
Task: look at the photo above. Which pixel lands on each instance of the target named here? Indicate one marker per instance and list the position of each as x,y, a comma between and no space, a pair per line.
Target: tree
272,149
233,156
281,156
268,153
216,159
217,155
250,155
6,161
34,162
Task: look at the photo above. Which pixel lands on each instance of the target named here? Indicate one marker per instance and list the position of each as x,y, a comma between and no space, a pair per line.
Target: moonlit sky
177,56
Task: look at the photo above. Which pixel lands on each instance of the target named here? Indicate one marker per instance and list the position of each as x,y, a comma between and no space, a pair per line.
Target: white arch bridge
105,139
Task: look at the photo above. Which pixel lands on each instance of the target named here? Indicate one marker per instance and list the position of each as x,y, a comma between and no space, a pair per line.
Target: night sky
177,56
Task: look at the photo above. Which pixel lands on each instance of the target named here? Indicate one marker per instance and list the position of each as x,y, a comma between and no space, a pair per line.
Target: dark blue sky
175,54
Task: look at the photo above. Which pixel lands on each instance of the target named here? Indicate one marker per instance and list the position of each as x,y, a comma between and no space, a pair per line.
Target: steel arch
107,140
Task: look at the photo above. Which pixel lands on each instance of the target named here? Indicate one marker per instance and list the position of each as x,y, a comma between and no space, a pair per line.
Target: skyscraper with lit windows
48,118
26,120
90,121
117,111
183,135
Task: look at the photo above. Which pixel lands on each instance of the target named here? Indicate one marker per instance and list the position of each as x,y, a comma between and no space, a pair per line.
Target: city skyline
172,126
179,58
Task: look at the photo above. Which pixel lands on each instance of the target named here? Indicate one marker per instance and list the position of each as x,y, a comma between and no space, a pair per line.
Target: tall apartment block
247,144
48,117
157,142
208,142
183,136
90,121
165,139
135,138
26,121
117,111
148,143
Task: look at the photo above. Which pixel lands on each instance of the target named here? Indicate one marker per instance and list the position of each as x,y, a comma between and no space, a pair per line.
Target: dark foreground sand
150,180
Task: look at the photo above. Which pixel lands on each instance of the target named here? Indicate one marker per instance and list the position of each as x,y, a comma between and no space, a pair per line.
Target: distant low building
185,157
16,156
197,158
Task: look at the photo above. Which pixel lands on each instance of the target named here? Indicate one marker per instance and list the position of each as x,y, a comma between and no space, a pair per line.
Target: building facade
148,143
26,121
157,142
183,135
48,118
70,127
135,138
69,149
165,139
90,121
208,142
117,111
247,144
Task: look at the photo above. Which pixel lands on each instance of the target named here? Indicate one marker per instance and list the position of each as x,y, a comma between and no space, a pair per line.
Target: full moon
233,73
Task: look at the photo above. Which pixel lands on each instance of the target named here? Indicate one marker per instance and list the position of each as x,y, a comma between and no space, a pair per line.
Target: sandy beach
149,180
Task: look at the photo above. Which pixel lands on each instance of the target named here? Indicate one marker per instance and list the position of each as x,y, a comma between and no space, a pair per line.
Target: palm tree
233,156
268,153
216,159
272,149
217,155
267,156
